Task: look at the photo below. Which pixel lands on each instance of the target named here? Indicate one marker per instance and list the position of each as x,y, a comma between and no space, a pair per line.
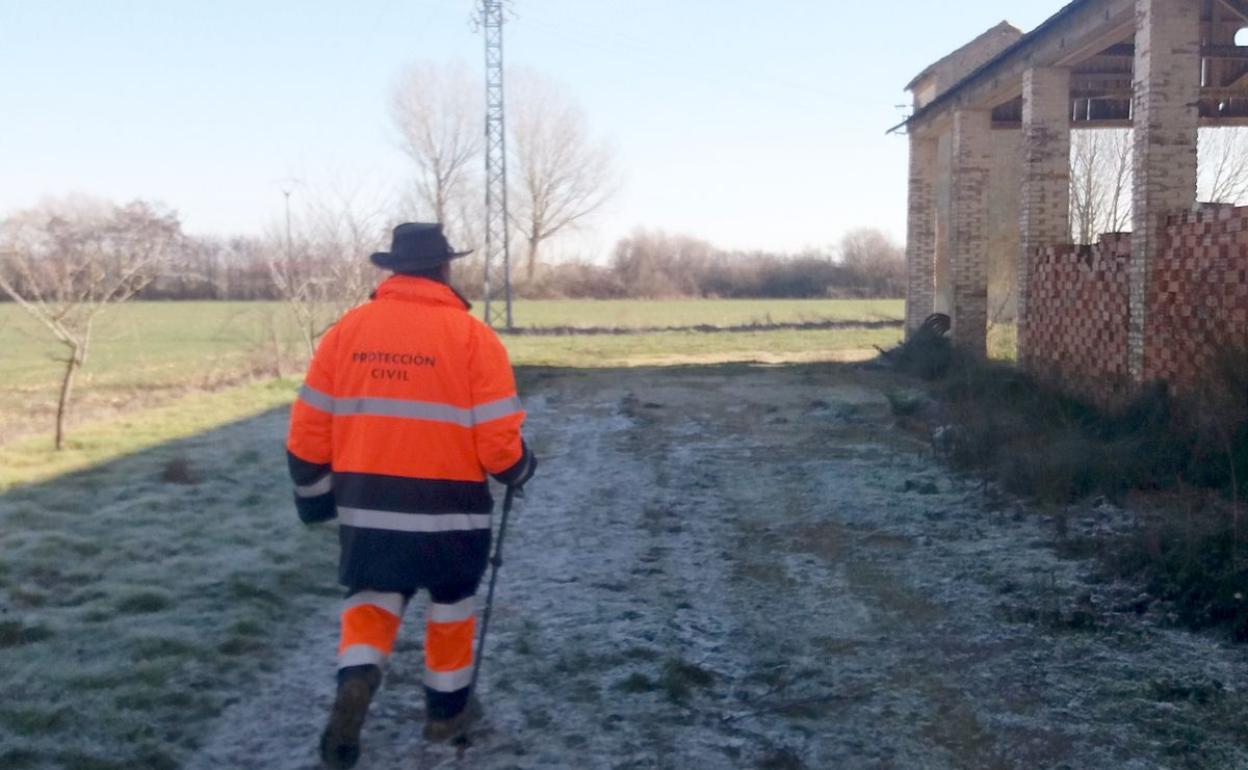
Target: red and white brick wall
1076,334
1197,298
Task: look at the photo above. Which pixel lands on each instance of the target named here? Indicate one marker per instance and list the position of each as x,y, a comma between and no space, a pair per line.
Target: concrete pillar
1045,217
969,203
921,233
1167,86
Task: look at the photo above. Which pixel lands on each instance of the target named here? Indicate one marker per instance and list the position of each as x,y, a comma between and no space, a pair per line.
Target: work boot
443,730
340,743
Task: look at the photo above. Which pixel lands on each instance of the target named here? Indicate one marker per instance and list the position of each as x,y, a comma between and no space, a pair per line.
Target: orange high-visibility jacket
408,404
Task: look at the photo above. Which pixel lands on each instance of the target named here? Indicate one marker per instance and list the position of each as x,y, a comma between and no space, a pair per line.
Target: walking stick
496,561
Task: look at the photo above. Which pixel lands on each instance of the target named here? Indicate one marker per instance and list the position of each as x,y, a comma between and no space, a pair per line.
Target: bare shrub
65,262
320,267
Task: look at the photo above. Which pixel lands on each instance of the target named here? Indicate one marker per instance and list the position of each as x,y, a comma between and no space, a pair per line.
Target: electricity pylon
497,237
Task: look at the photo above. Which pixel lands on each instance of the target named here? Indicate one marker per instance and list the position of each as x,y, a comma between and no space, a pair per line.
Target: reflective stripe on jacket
408,404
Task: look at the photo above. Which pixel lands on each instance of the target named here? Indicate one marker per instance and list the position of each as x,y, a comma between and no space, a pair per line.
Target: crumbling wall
1197,298
1197,308
1076,335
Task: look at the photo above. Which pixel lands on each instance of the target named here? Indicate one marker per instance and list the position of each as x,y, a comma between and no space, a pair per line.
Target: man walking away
408,404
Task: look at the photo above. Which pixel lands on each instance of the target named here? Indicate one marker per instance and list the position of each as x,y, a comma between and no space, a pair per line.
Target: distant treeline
645,265
47,254
653,265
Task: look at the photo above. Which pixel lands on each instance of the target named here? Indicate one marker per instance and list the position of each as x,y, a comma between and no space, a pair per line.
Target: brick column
968,246
1167,85
921,233
1045,218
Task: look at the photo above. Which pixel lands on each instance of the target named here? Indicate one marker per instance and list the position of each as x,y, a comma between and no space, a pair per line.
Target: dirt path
749,567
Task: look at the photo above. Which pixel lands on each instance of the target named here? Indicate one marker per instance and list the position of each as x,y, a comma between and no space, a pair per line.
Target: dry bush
1038,443
1042,444
1193,559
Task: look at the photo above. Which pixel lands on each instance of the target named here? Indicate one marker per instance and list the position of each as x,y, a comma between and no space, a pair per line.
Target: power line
751,83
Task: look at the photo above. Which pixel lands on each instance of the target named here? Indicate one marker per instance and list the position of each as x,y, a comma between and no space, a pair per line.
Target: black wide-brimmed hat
416,246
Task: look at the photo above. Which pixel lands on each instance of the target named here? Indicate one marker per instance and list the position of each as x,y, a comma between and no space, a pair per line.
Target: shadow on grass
138,596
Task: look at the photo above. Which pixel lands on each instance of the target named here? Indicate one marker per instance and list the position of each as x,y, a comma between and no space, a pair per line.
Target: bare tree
322,269
1100,179
66,267
876,259
438,112
1100,183
560,177
1223,174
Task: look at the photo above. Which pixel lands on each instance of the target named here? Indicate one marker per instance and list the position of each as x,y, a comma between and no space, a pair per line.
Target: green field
691,312
147,344
147,354
161,343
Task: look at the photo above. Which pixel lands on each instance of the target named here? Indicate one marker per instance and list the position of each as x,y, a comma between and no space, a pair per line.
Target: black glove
314,510
519,474
314,489
528,474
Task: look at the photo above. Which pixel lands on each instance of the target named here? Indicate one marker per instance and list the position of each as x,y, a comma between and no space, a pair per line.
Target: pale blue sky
751,124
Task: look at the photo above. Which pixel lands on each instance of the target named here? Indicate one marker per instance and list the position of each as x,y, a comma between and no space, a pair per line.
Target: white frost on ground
725,569
157,586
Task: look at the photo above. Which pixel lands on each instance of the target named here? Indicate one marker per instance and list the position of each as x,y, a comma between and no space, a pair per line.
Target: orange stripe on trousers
448,646
371,625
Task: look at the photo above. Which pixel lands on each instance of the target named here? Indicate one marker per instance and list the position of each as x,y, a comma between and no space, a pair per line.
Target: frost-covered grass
134,609
1182,464
717,567
746,567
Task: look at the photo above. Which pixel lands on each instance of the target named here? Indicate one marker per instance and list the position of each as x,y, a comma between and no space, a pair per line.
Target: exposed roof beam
1082,83
1082,125
1079,31
1119,51
1238,6
1238,52
1207,51
1224,93
1078,73
1125,94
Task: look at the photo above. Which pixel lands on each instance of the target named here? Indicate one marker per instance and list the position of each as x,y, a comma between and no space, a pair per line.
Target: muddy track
749,567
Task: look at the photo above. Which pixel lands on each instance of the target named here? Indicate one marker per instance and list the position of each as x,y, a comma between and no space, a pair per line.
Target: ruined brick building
990,141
